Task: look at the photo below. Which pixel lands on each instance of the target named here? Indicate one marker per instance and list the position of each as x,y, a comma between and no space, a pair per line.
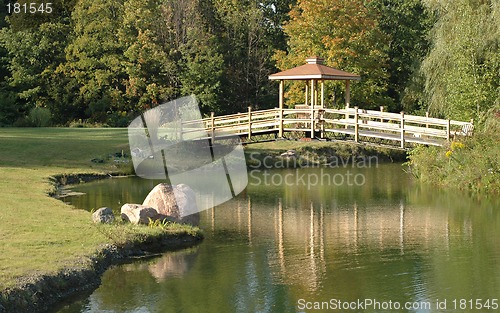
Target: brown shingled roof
314,70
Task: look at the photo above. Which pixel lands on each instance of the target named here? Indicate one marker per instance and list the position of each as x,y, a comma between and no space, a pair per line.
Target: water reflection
273,245
304,239
172,264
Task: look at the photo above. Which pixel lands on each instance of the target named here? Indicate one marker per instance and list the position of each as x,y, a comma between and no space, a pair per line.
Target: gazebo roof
314,69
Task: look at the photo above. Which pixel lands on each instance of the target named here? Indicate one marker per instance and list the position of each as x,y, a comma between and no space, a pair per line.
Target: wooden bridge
314,120
353,124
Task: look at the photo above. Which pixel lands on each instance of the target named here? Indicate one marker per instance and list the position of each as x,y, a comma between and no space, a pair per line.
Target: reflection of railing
307,239
318,122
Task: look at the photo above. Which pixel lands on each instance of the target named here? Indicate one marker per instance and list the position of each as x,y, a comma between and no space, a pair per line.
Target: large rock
177,202
139,214
104,216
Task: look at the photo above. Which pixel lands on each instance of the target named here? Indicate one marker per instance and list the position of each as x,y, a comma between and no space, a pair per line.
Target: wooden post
448,130
426,117
347,93
212,124
381,113
356,126
347,99
282,90
307,94
321,123
346,116
280,130
322,94
402,130
249,123
312,108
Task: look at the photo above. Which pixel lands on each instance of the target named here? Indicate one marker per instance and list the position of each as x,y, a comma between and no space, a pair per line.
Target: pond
382,243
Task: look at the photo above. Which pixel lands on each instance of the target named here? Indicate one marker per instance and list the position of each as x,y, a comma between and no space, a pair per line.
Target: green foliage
39,117
406,23
33,55
203,66
105,62
8,107
151,73
347,35
462,81
462,70
248,45
471,163
94,57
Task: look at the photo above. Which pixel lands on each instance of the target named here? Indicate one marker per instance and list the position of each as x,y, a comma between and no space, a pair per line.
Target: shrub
39,117
471,163
86,124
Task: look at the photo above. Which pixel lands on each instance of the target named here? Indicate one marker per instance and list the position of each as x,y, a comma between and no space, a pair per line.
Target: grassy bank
471,163
319,153
40,235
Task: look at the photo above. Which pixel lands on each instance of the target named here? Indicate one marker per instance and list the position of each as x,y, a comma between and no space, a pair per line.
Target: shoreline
40,292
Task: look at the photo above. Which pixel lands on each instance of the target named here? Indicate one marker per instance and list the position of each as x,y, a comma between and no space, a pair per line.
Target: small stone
104,216
139,214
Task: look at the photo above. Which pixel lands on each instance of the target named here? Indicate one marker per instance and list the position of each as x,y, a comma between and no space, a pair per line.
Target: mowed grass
68,148
42,235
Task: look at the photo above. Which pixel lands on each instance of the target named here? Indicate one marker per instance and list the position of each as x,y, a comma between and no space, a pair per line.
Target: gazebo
313,72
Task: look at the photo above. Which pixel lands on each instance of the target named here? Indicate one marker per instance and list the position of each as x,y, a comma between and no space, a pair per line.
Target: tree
406,23
60,12
347,35
33,55
94,57
150,64
33,47
203,68
248,48
462,69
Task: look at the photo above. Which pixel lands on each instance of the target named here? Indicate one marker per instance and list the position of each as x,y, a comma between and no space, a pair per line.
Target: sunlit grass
42,235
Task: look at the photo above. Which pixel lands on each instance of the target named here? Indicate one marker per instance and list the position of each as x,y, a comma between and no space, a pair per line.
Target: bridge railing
357,122
251,122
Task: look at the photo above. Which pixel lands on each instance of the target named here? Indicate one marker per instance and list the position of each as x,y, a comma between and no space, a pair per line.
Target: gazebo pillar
307,93
322,94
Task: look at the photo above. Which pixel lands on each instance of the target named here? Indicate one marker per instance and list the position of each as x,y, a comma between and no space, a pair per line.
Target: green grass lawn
39,234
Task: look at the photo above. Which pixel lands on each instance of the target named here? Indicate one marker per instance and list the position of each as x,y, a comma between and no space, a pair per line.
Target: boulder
104,216
177,202
138,214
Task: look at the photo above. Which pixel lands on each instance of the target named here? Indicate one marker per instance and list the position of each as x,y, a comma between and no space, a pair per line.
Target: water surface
287,248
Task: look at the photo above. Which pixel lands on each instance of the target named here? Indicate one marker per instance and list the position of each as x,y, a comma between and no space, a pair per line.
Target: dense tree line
106,61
